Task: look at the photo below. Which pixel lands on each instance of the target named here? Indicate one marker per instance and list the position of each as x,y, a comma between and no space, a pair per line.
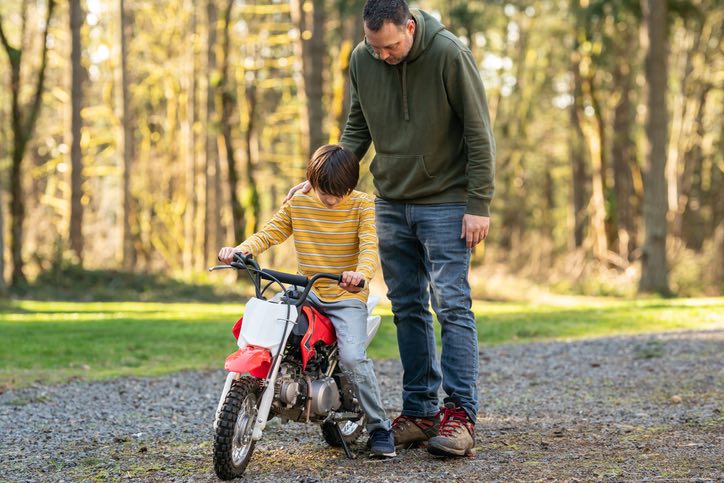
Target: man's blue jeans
424,260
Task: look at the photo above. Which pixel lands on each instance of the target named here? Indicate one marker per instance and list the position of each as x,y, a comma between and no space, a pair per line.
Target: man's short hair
377,12
333,170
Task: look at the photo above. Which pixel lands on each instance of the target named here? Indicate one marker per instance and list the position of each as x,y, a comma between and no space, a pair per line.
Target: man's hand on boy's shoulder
350,280
226,254
304,186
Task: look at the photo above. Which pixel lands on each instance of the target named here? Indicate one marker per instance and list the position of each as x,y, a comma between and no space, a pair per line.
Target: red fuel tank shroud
320,328
252,359
236,330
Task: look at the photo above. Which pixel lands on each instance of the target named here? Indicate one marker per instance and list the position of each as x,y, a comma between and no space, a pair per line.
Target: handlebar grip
243,257
361,284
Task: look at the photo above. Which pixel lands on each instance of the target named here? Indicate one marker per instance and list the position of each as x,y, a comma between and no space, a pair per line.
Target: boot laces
400,420
379,436
452,419
423,423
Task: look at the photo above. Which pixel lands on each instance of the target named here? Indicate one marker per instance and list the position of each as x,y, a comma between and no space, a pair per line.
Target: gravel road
620,408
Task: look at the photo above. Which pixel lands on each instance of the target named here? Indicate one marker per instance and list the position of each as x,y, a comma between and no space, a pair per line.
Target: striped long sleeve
327,240
276,231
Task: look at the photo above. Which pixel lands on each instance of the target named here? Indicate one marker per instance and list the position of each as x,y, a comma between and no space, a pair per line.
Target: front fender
251,359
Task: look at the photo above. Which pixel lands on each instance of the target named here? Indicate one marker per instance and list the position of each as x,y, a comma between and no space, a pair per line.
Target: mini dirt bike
287,366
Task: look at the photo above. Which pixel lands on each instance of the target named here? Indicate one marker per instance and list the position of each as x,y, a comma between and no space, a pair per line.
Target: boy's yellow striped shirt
326,240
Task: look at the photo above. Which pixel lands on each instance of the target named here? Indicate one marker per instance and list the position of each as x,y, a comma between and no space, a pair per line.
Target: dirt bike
287,366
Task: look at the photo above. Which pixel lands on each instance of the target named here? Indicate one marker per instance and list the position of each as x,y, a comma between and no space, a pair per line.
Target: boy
334,232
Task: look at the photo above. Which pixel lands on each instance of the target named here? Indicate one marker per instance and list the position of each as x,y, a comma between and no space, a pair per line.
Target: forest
141,136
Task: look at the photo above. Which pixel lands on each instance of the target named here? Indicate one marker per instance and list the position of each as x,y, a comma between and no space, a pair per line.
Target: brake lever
219,267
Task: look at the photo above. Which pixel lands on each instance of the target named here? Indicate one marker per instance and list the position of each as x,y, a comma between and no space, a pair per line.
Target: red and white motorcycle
287,366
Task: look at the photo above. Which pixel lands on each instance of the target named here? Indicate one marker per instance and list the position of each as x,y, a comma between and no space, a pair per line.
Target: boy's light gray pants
349,318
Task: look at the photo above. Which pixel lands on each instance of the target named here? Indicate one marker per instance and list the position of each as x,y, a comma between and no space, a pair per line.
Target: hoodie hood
426,27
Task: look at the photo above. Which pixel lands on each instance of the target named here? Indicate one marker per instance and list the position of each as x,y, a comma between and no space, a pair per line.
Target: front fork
230,377
267,398
264,405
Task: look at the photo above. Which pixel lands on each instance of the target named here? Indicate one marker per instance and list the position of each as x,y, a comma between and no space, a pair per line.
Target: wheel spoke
243,429
233,443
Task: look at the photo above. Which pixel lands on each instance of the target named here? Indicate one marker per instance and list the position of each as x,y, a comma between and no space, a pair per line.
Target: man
416,94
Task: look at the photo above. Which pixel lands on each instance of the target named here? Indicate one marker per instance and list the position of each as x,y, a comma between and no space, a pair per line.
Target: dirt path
623,408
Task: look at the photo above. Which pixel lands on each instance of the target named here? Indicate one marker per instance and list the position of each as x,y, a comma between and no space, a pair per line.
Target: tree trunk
593,130
3,288
129,248
189,138
689,132
577,153
654,272
689,222
17,205
211,193
716,201
76,156
352,33
22,132
226,88
315,55
3,153
252,153
623,153
718,262
312,50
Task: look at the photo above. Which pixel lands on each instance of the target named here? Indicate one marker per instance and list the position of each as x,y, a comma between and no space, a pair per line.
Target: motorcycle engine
289,386
325,396
295,392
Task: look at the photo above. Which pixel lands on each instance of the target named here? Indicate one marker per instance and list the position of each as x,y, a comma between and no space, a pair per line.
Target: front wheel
233,445
351,430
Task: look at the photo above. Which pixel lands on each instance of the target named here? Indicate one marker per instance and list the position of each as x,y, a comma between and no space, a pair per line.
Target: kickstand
347,451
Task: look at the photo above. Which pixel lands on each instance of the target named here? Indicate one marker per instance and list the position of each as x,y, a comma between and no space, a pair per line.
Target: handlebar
245,261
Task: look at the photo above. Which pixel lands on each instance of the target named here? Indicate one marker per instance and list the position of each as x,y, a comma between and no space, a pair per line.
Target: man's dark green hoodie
428,118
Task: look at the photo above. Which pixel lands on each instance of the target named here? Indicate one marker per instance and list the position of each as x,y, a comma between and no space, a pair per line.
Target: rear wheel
351,430
233,445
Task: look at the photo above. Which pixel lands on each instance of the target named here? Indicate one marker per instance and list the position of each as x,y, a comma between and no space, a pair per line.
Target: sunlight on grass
57,341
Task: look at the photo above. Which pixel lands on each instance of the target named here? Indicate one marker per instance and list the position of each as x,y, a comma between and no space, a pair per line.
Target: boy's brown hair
333,170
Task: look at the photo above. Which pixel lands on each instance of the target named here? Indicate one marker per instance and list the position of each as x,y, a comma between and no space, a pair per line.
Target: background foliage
178,126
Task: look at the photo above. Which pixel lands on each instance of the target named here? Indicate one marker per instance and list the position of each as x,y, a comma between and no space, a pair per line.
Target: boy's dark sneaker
456,436
382,444
411,431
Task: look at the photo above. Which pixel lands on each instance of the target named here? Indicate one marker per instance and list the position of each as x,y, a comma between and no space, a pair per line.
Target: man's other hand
475,229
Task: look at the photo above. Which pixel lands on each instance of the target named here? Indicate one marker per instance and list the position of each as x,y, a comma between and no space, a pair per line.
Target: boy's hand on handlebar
226,254
351,280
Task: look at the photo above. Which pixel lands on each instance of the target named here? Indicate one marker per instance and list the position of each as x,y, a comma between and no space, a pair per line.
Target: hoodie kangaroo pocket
401,176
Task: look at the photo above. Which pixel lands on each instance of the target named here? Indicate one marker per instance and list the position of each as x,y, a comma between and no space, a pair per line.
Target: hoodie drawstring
404,92
405,107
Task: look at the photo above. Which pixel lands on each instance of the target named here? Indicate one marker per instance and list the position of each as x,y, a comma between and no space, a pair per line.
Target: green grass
578,317
58,341
55,341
